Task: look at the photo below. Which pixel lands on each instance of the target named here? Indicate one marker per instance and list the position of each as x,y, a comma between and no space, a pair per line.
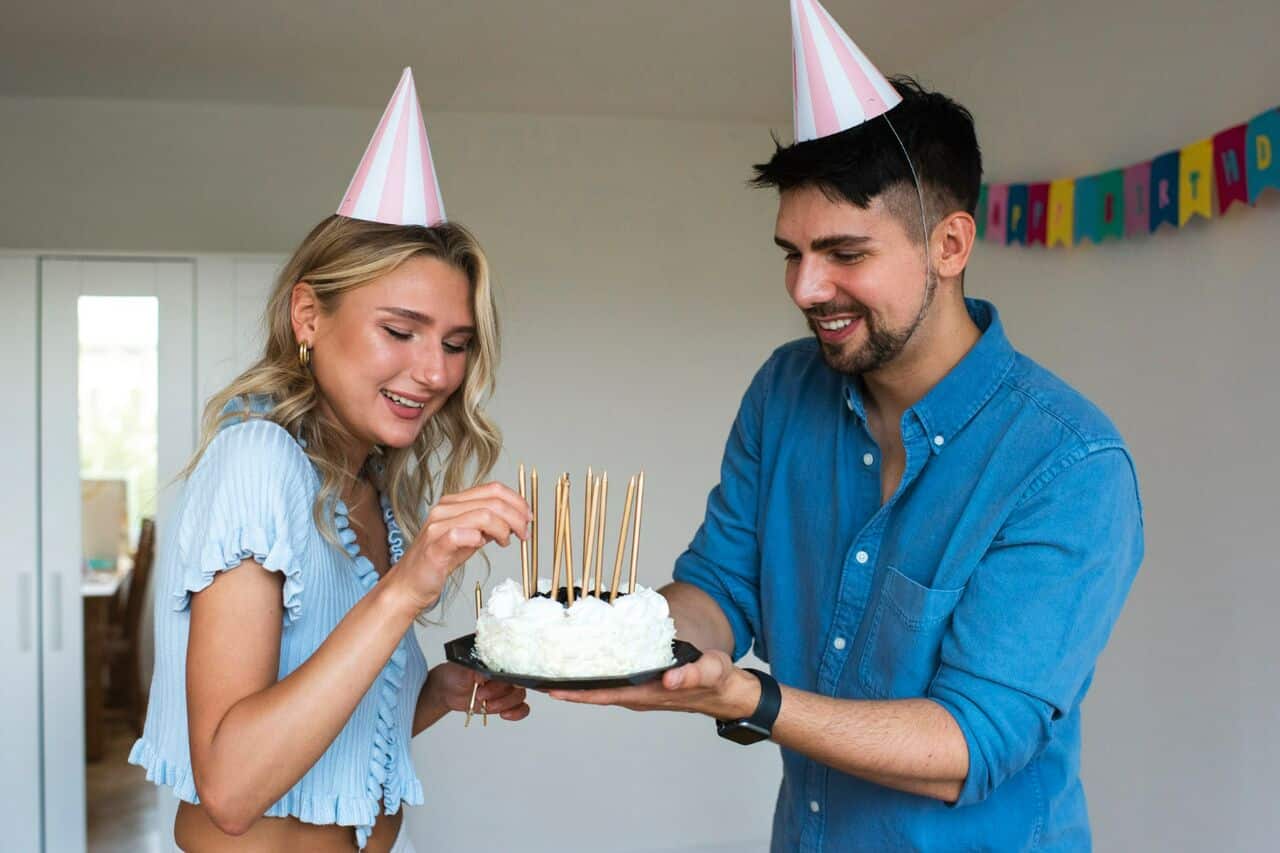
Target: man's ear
953,241
304,310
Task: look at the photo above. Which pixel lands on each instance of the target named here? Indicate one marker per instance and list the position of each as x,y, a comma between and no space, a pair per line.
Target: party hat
836,86
396,180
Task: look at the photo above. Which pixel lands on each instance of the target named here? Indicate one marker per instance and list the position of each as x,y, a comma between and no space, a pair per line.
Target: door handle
55,615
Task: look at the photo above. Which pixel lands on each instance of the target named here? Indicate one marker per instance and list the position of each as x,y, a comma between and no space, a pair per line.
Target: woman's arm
253,737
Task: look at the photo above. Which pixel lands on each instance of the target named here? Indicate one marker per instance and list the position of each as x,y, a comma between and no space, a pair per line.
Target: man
928,536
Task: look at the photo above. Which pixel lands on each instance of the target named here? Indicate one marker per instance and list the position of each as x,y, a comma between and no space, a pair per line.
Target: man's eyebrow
418,317
833,241
839,241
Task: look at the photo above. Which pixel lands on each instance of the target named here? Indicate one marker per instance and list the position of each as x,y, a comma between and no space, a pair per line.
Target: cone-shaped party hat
836,86
396,180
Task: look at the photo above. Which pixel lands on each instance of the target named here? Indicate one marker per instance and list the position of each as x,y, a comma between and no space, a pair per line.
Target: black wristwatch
759,726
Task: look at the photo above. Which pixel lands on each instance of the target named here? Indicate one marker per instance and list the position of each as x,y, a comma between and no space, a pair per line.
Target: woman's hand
458,526
449,689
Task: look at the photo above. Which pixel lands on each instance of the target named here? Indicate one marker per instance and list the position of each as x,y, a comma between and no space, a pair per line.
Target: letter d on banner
1262,139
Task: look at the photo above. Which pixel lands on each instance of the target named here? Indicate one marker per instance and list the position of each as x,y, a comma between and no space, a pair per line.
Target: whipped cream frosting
541,637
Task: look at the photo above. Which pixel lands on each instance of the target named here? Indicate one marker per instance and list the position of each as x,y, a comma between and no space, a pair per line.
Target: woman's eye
455,348
397,334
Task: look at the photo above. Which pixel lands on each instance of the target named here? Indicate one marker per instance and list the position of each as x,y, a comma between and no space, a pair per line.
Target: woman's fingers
516,520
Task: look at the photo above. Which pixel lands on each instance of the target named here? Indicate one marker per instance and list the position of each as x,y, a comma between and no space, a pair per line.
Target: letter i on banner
1017,214
1037,214
1195,190
1061,212
1229,167
1111,204
997,205
1261,145
1137,199
1164,190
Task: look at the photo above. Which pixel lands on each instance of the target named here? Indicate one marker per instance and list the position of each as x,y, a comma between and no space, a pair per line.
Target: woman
288,681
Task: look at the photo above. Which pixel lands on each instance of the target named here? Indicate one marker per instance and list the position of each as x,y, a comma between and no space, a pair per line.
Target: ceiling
712,59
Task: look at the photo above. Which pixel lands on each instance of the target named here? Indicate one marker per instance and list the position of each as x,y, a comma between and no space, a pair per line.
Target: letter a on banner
1017,214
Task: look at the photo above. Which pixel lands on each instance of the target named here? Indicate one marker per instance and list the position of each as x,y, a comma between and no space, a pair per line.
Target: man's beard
882,345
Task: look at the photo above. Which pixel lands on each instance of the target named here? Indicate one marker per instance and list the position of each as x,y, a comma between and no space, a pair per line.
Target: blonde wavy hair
457,447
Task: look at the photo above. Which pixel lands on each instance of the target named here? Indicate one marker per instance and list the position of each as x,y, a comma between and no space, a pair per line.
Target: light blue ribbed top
251,496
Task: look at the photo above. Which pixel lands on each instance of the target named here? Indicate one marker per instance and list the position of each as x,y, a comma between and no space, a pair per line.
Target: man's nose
810,285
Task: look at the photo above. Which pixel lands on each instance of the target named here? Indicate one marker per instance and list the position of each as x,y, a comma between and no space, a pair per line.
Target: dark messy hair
863,162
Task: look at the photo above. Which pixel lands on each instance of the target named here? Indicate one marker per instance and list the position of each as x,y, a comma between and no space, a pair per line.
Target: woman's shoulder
255,445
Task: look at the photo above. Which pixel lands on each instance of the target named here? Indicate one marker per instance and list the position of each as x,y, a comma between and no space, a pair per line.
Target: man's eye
792,257
397,334
846,257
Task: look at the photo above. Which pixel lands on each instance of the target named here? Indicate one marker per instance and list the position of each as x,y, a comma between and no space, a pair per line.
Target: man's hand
711,685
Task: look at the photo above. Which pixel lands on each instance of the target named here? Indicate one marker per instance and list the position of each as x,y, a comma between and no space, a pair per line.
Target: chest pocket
900,655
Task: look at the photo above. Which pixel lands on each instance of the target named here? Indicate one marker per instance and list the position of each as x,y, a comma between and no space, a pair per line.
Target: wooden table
98,590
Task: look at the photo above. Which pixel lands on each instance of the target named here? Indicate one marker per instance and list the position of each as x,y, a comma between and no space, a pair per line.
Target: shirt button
939,440
814,807
867,459
849,403
862,556
839,643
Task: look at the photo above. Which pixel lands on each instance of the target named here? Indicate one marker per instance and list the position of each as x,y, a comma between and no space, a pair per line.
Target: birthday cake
592,638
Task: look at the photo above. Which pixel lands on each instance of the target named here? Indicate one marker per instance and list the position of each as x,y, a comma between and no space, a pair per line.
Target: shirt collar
965,389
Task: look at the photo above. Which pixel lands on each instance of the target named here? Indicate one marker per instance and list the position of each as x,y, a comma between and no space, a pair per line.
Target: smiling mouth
403,401
833,325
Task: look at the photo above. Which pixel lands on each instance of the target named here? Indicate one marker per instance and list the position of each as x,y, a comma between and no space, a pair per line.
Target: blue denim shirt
989,583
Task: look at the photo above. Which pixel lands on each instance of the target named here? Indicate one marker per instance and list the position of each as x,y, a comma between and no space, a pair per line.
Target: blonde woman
288,680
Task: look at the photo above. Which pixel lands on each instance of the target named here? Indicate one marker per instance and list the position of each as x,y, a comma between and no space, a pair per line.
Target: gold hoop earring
304,355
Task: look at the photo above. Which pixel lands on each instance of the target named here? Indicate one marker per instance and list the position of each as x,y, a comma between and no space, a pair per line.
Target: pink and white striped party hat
836,86
396,180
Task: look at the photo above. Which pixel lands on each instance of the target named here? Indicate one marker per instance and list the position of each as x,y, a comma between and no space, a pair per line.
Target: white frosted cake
593,638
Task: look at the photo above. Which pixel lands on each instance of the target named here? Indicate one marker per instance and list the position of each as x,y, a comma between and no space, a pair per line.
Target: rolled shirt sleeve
1038,610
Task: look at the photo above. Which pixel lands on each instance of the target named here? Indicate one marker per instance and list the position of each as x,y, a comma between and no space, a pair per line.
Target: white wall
1174,335
638,290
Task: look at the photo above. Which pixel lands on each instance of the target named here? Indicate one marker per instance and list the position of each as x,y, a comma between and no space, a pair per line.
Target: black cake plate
462,652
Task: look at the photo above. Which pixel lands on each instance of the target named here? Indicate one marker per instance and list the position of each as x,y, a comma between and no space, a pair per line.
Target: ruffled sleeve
249,498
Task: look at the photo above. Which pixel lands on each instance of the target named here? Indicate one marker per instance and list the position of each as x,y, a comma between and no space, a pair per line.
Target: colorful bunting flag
1038,214
1195,193
1261,143
1236,164
1061,212
1164,190
997,201
1017,214
1229,167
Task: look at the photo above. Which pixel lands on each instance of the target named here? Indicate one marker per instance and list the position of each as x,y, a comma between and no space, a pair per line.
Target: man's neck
940,343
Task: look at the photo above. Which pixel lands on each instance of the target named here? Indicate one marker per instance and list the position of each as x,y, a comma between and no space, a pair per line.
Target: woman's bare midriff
194,832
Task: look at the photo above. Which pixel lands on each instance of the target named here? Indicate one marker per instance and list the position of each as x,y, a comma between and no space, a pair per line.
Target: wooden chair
124,647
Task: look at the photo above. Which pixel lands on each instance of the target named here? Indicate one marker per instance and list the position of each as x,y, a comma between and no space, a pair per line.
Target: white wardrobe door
62,283
19,623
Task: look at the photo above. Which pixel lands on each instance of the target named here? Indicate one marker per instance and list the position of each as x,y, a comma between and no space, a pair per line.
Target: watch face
741,731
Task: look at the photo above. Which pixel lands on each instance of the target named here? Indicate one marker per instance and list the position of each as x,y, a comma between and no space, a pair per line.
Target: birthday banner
1234,165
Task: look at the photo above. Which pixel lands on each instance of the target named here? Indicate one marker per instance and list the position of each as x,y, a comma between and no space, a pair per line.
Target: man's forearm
911,745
